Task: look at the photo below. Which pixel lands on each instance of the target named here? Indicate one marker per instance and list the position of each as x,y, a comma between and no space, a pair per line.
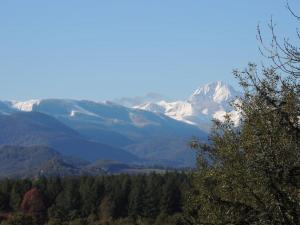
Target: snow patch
222,93
235,116
26,106
140,121
205,111
79,110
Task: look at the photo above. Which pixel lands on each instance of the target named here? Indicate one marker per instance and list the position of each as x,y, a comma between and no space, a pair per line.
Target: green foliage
4,202
137,198
251,174
19,219
171,196
121,199
153,195
17,191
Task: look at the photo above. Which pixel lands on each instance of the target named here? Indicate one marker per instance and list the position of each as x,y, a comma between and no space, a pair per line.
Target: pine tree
153,194
120,197
171,197
68,202
137,197
15,198
4,202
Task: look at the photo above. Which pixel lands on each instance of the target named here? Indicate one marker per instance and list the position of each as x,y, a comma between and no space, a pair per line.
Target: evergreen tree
136,198
171,197
54,187
153,194
4,202
88,195
15,198
68,202
120,197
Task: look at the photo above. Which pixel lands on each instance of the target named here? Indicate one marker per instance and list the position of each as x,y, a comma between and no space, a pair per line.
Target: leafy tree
251,174
105,214
33,204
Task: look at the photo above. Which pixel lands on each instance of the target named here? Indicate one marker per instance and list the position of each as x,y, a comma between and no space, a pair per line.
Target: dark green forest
121,199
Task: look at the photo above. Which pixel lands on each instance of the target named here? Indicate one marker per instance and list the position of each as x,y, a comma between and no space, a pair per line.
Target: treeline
123,199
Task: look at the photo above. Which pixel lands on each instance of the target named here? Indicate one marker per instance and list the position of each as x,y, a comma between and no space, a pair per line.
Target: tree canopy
250,174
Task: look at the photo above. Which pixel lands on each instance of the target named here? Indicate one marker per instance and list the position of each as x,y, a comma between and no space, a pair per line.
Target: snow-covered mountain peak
217,92
26,106
210,101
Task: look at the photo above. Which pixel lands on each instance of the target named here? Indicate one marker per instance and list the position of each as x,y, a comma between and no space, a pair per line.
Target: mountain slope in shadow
33,128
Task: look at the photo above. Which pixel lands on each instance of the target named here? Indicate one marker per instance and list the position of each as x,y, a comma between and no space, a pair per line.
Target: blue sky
98,49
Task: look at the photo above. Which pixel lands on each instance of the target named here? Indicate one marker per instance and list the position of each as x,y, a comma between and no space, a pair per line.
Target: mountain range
149,132
211,101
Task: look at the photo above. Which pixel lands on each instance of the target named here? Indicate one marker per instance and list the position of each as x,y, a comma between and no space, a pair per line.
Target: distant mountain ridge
41,161
210,101
156,131
122,130
33,161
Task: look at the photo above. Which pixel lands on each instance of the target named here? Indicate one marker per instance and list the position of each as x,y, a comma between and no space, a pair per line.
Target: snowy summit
210,101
